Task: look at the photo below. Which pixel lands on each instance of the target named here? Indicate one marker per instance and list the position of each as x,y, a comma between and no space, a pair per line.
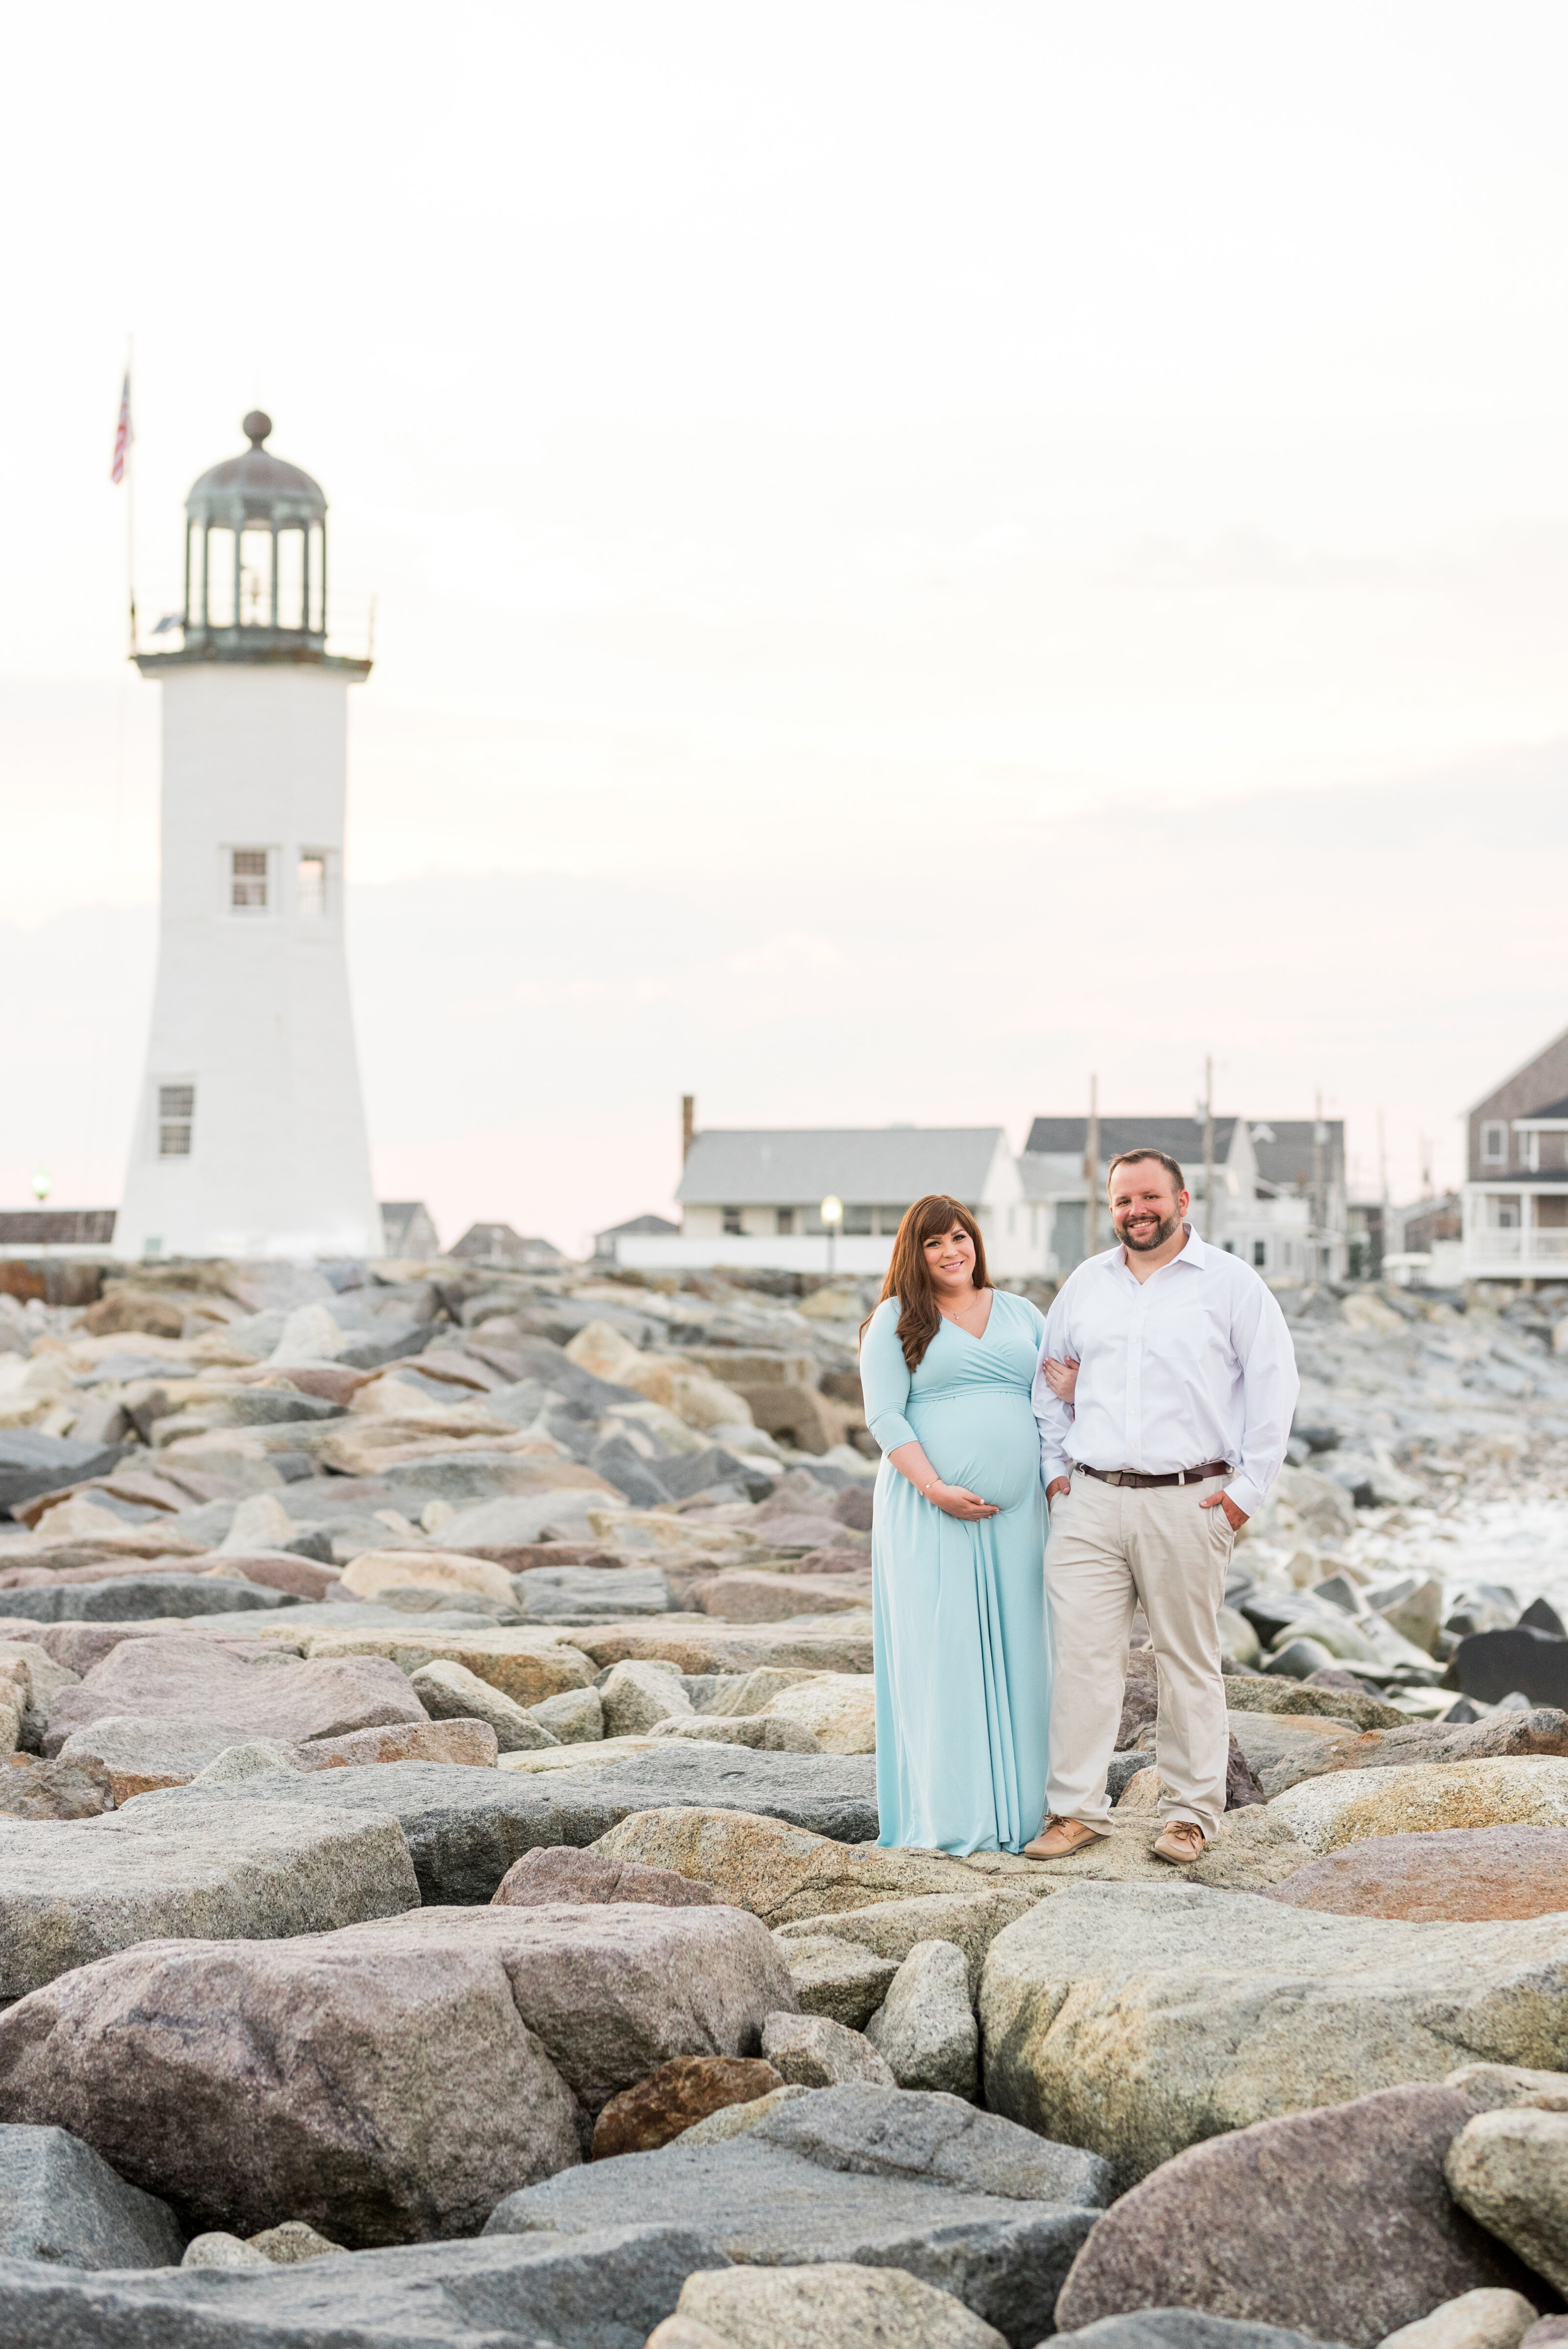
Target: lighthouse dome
256,489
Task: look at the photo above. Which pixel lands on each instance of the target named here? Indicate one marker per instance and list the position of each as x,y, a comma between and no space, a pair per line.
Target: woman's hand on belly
956,1501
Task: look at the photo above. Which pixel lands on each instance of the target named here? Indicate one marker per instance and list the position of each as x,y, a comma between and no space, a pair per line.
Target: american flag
122,434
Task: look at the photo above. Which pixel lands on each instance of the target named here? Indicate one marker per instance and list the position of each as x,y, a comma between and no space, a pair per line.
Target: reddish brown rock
675,2099
30,1789
469,1744
305,1577
1456,1876
559,1872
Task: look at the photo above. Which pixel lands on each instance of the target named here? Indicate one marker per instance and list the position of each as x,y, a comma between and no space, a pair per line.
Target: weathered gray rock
780,1868
218,2248
1004,2258
891,1928
606,2290
360,2118
254,1759
1476,2320
809,2050
761,1732
586,1594
575,1717
202,1692
60,2200
1185,2328
1284,1747
1350,1805
76,1890
734,2120
287,2244
825,2307
1335,2222
1488,2087
32,1462
911,2134
142,1598
829,1795
547,1876
636,1695
449,1692
1105,1990
1509,2169
837,1980
465,1827
1243,1694
926,2029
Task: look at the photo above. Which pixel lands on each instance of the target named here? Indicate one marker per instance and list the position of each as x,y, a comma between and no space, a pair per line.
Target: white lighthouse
250,1132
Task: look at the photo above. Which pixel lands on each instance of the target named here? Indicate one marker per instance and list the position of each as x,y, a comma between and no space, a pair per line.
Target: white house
1279,1188
1515,1196
249,1137
754,1198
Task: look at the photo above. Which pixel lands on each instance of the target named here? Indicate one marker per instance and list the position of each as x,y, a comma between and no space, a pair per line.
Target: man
1187,1380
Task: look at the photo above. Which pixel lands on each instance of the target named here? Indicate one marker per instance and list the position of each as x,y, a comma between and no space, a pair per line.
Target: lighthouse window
221,578
313,883
255,579
247,884
176,1111
290,579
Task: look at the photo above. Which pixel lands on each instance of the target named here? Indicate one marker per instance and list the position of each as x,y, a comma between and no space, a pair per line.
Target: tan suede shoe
1182,1841
1058,1836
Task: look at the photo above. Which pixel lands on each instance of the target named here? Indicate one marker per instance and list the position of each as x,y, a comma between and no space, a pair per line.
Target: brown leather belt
1142,1484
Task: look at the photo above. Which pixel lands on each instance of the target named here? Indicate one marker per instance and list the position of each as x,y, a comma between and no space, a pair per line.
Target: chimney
688,1124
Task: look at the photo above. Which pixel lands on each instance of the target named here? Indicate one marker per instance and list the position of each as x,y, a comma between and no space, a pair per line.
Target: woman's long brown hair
909,1275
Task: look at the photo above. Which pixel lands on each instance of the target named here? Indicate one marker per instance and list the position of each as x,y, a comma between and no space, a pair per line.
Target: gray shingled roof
1286,1161
870,1167
1180,1137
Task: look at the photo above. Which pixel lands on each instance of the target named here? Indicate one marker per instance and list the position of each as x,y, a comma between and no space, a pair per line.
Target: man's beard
1141,1245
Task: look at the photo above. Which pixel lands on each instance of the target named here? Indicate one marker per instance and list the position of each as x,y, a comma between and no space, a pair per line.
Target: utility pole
1383,1229
688,1124
1319,1204
1209,1149
1092,1170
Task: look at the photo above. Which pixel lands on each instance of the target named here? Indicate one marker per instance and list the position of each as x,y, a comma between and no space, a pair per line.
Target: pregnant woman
958,1544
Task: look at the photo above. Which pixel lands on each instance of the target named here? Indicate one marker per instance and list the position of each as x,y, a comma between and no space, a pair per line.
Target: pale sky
919,551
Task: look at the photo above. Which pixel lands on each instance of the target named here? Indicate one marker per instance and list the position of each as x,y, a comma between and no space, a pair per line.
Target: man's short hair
1133,1157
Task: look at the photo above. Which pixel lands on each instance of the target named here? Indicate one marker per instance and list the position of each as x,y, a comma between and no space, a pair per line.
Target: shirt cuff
1247,1493
890,1430
1053,1463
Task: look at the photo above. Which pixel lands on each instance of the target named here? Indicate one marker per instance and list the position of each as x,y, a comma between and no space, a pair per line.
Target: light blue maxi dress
959,1638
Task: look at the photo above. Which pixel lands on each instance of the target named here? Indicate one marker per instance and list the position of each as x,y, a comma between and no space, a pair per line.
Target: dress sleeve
884,1378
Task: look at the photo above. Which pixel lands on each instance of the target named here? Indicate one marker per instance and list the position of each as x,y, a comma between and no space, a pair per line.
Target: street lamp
832,1214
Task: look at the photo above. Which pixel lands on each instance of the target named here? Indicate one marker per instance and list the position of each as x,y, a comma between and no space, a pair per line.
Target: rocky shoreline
440,1900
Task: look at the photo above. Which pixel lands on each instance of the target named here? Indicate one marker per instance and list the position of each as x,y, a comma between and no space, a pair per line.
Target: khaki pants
1112,1548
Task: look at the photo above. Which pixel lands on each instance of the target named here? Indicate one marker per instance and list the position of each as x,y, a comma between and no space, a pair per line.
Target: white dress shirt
1193,1364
